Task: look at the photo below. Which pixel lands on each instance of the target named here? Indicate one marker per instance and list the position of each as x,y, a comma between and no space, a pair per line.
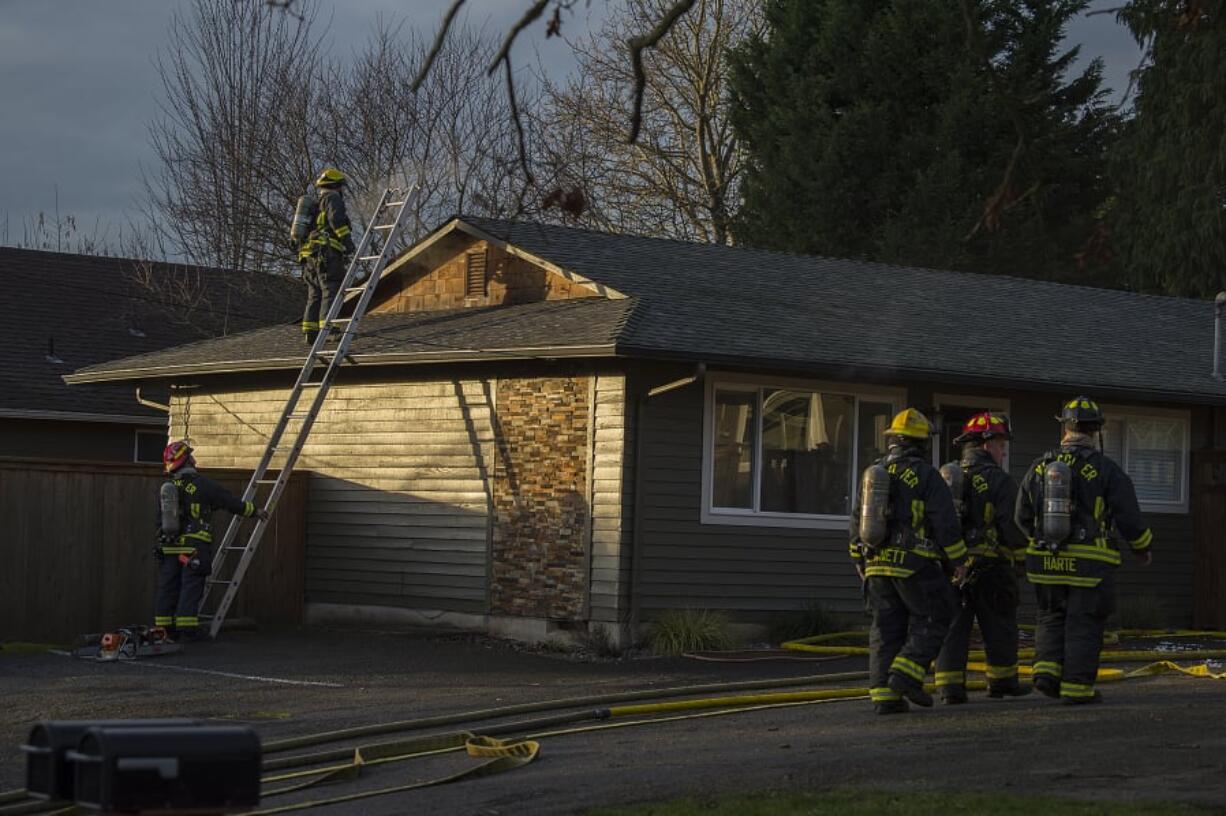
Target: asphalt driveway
1160,739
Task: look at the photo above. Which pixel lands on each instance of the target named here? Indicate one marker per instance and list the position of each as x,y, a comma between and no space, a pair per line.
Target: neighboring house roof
61,312
753,307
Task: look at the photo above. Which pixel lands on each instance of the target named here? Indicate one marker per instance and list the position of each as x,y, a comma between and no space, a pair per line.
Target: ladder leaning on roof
393,204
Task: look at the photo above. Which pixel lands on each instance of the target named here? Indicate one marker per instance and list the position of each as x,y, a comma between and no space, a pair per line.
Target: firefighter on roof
185,553
905,542
984,495
325,250
1069,503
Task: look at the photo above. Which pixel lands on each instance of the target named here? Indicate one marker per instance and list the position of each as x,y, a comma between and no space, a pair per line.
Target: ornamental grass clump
680,631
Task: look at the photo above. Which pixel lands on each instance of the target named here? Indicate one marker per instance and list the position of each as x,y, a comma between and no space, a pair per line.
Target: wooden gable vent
474,274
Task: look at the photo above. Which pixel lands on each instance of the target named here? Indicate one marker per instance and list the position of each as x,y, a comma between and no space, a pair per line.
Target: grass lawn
861,803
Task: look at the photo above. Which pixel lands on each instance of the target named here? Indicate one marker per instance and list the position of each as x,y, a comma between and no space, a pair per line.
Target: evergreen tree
927,132
1169,226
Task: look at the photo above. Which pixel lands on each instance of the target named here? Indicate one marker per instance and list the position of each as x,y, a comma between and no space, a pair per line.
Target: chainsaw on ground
126,643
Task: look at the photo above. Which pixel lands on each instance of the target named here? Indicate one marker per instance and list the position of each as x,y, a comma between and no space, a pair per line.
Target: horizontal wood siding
764,569
610,494
744,570
398,507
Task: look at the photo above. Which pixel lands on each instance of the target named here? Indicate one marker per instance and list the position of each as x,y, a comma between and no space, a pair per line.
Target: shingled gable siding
539,551
444,283
398,497
754,571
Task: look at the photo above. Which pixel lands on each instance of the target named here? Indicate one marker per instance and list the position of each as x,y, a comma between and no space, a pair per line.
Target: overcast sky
78,89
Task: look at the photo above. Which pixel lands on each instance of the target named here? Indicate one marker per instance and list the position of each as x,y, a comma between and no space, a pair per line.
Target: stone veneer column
541,513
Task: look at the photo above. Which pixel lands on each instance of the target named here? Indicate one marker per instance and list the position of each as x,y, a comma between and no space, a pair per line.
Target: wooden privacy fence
76,549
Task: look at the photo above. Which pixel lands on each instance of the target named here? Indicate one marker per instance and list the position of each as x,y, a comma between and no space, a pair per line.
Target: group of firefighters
939,549
936,550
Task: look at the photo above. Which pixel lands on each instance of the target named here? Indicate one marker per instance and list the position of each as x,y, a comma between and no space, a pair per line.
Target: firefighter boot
892,707
953,695
309,337
1008,688
910,689
1096,697
1048,685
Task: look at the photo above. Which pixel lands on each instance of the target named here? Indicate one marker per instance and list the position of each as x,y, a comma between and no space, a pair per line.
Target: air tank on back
874,505
955,477
168,502
304,216
1057,503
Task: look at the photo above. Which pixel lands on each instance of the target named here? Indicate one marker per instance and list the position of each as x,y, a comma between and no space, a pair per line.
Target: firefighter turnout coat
1102,497
906,583
185,561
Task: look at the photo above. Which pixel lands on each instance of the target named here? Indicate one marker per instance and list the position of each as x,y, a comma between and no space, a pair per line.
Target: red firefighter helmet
176,455
985,426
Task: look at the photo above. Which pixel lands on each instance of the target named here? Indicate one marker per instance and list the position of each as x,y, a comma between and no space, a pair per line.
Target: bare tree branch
439,38
639,44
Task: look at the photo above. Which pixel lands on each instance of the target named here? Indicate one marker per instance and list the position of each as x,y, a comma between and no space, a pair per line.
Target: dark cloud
80,88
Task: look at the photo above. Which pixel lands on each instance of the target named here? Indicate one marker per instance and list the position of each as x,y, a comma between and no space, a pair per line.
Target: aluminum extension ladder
394,203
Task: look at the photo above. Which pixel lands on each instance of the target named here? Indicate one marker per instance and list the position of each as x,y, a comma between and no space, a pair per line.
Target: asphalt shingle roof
719,303
525,330
755,307
91,309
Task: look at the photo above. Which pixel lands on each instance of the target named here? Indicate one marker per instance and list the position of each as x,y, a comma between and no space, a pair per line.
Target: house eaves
858,371
164,372
81,416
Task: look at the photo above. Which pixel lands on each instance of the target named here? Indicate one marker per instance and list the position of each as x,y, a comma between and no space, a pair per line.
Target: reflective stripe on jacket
198,498
1103,496
923,523
332,228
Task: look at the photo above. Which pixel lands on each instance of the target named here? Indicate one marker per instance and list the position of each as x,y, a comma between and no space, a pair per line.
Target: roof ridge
965,274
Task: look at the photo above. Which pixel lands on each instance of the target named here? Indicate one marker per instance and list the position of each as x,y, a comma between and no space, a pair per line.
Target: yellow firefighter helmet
910,423
330,177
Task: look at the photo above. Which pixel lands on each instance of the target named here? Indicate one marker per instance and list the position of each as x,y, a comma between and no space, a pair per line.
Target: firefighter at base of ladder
985,496
324,253
905,542
1067,505
185,550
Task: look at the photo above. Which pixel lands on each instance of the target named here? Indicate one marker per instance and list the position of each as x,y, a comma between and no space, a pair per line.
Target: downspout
150,403
1219,303
636,542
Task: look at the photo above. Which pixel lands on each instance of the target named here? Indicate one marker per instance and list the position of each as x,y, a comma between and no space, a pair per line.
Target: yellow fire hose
828,644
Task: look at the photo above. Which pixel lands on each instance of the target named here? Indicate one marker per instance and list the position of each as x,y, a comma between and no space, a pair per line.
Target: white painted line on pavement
255,677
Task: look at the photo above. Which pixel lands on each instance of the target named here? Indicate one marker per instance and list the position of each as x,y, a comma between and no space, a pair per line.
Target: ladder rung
355,289
369,257
341,320
265,481
232,548
217,581
298,416
383,226
395,203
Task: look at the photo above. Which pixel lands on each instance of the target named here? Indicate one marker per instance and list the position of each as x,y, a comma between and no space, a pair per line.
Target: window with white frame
1153,450
789,453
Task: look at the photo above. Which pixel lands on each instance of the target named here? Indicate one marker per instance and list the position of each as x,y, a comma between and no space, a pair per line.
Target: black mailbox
132,768
48,774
